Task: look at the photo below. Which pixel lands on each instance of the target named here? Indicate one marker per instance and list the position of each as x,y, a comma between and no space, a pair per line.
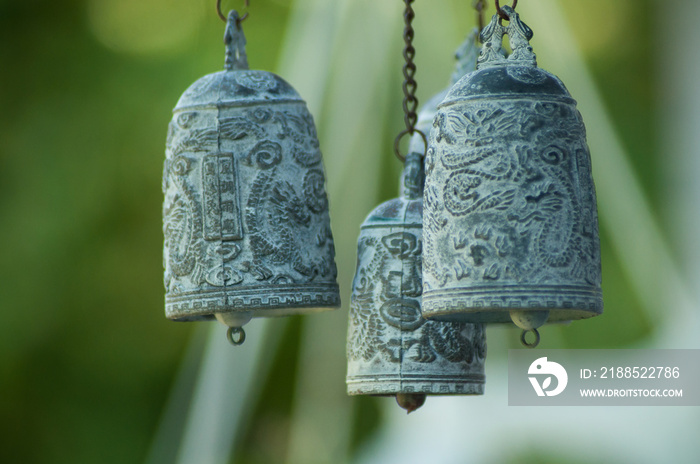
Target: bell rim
493,304
470,384
256,312
501,315
261,300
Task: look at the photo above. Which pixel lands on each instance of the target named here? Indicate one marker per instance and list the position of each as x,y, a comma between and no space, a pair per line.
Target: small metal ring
397,141
533,344
235,331
223,17
500,11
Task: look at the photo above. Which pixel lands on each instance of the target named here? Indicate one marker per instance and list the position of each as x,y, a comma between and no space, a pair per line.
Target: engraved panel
222,220
211,198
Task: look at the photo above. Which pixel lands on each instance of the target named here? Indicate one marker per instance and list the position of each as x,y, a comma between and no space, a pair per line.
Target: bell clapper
410,401
527,344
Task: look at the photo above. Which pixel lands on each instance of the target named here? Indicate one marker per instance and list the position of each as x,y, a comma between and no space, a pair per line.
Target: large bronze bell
510,225
245,216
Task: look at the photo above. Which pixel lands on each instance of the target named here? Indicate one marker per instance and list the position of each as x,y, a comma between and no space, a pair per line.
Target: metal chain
410,102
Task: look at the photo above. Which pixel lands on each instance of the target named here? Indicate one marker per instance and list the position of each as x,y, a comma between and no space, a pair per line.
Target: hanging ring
235,335
398,138
223,17
501,13
525,342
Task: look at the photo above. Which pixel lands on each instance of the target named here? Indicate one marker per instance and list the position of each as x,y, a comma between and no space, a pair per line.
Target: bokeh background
91,371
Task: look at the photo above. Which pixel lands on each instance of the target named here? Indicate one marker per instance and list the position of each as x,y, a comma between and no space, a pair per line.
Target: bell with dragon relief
391,349
510,224
245,215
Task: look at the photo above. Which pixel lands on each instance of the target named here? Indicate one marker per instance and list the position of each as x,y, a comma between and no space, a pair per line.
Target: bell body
510,226
391,348
245,215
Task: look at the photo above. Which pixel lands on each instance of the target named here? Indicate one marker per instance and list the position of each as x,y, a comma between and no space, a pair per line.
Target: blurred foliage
542,457
87,87
267,434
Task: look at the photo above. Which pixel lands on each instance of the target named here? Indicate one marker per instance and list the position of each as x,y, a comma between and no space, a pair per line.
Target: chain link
410,102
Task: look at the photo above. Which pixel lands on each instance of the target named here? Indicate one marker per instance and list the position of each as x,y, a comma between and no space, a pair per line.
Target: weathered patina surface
391,348
510,224
245,215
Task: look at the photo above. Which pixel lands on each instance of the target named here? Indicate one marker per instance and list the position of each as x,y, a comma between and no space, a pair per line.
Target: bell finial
492,38
519,35
236,58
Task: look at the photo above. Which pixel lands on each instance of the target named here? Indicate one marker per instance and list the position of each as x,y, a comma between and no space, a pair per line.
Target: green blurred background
91,371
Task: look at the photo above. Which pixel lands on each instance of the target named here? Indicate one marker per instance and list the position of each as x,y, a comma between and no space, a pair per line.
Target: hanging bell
510,225
245,215
465,56
391,349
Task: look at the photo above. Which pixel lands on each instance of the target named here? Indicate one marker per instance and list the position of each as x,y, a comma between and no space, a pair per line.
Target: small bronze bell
391,349
510,225
245,215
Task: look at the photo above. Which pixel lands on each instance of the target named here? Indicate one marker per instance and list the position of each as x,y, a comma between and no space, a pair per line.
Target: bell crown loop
519,35
514,76
234,39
